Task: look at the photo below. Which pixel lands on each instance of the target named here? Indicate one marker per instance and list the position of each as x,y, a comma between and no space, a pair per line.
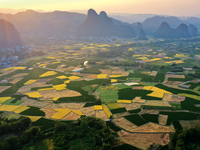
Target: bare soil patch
73,106
177,98
189,124
152,127
138,100
19,75
162,119
105,71
48,112
101,114
138,87
69,93
16,80
175,76
3,88
71,116
50,94
88,111
153,73
167,97
125,124
161,139
157,103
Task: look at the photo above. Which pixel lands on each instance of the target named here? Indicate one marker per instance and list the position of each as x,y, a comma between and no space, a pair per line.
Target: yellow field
106,110
113,80
67,81
175,61
167,57
56,62
73,77
21,109
62,77
61,112
55,98
157,92
30,82
156,59
115,75
8,107
114,106
147,87
34,118
101,76
60,87
78,112
51,57
16,68
137,55
124,101
142,58
34,94
48,73
98,107
41,65
45,89
3,99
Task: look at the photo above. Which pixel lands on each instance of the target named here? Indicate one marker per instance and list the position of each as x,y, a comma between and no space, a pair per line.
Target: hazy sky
169,7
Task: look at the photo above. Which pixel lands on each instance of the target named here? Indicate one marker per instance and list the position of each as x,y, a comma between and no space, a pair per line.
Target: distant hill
9,36
152,24
182,31
102,26
33,24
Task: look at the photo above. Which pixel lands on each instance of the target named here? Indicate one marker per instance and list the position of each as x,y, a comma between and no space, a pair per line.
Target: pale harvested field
77,106
15,80
105,71
177,98
136,105
62,69
171,128
48,112
149,111
50,94
25,89
71,116
129,139
123,73
125,124
101,114
175,76
88,111
70,68
7,72
162,119
94,76
138,100
172,82
152,127
167,97
3,88
68,93
195,81
138,87
157,103
153,73
129,106
119,115
189,124
19,75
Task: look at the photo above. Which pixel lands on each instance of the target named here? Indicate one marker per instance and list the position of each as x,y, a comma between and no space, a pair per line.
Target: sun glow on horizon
170,7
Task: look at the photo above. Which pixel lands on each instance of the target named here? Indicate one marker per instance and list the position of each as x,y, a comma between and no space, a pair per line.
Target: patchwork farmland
136,101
